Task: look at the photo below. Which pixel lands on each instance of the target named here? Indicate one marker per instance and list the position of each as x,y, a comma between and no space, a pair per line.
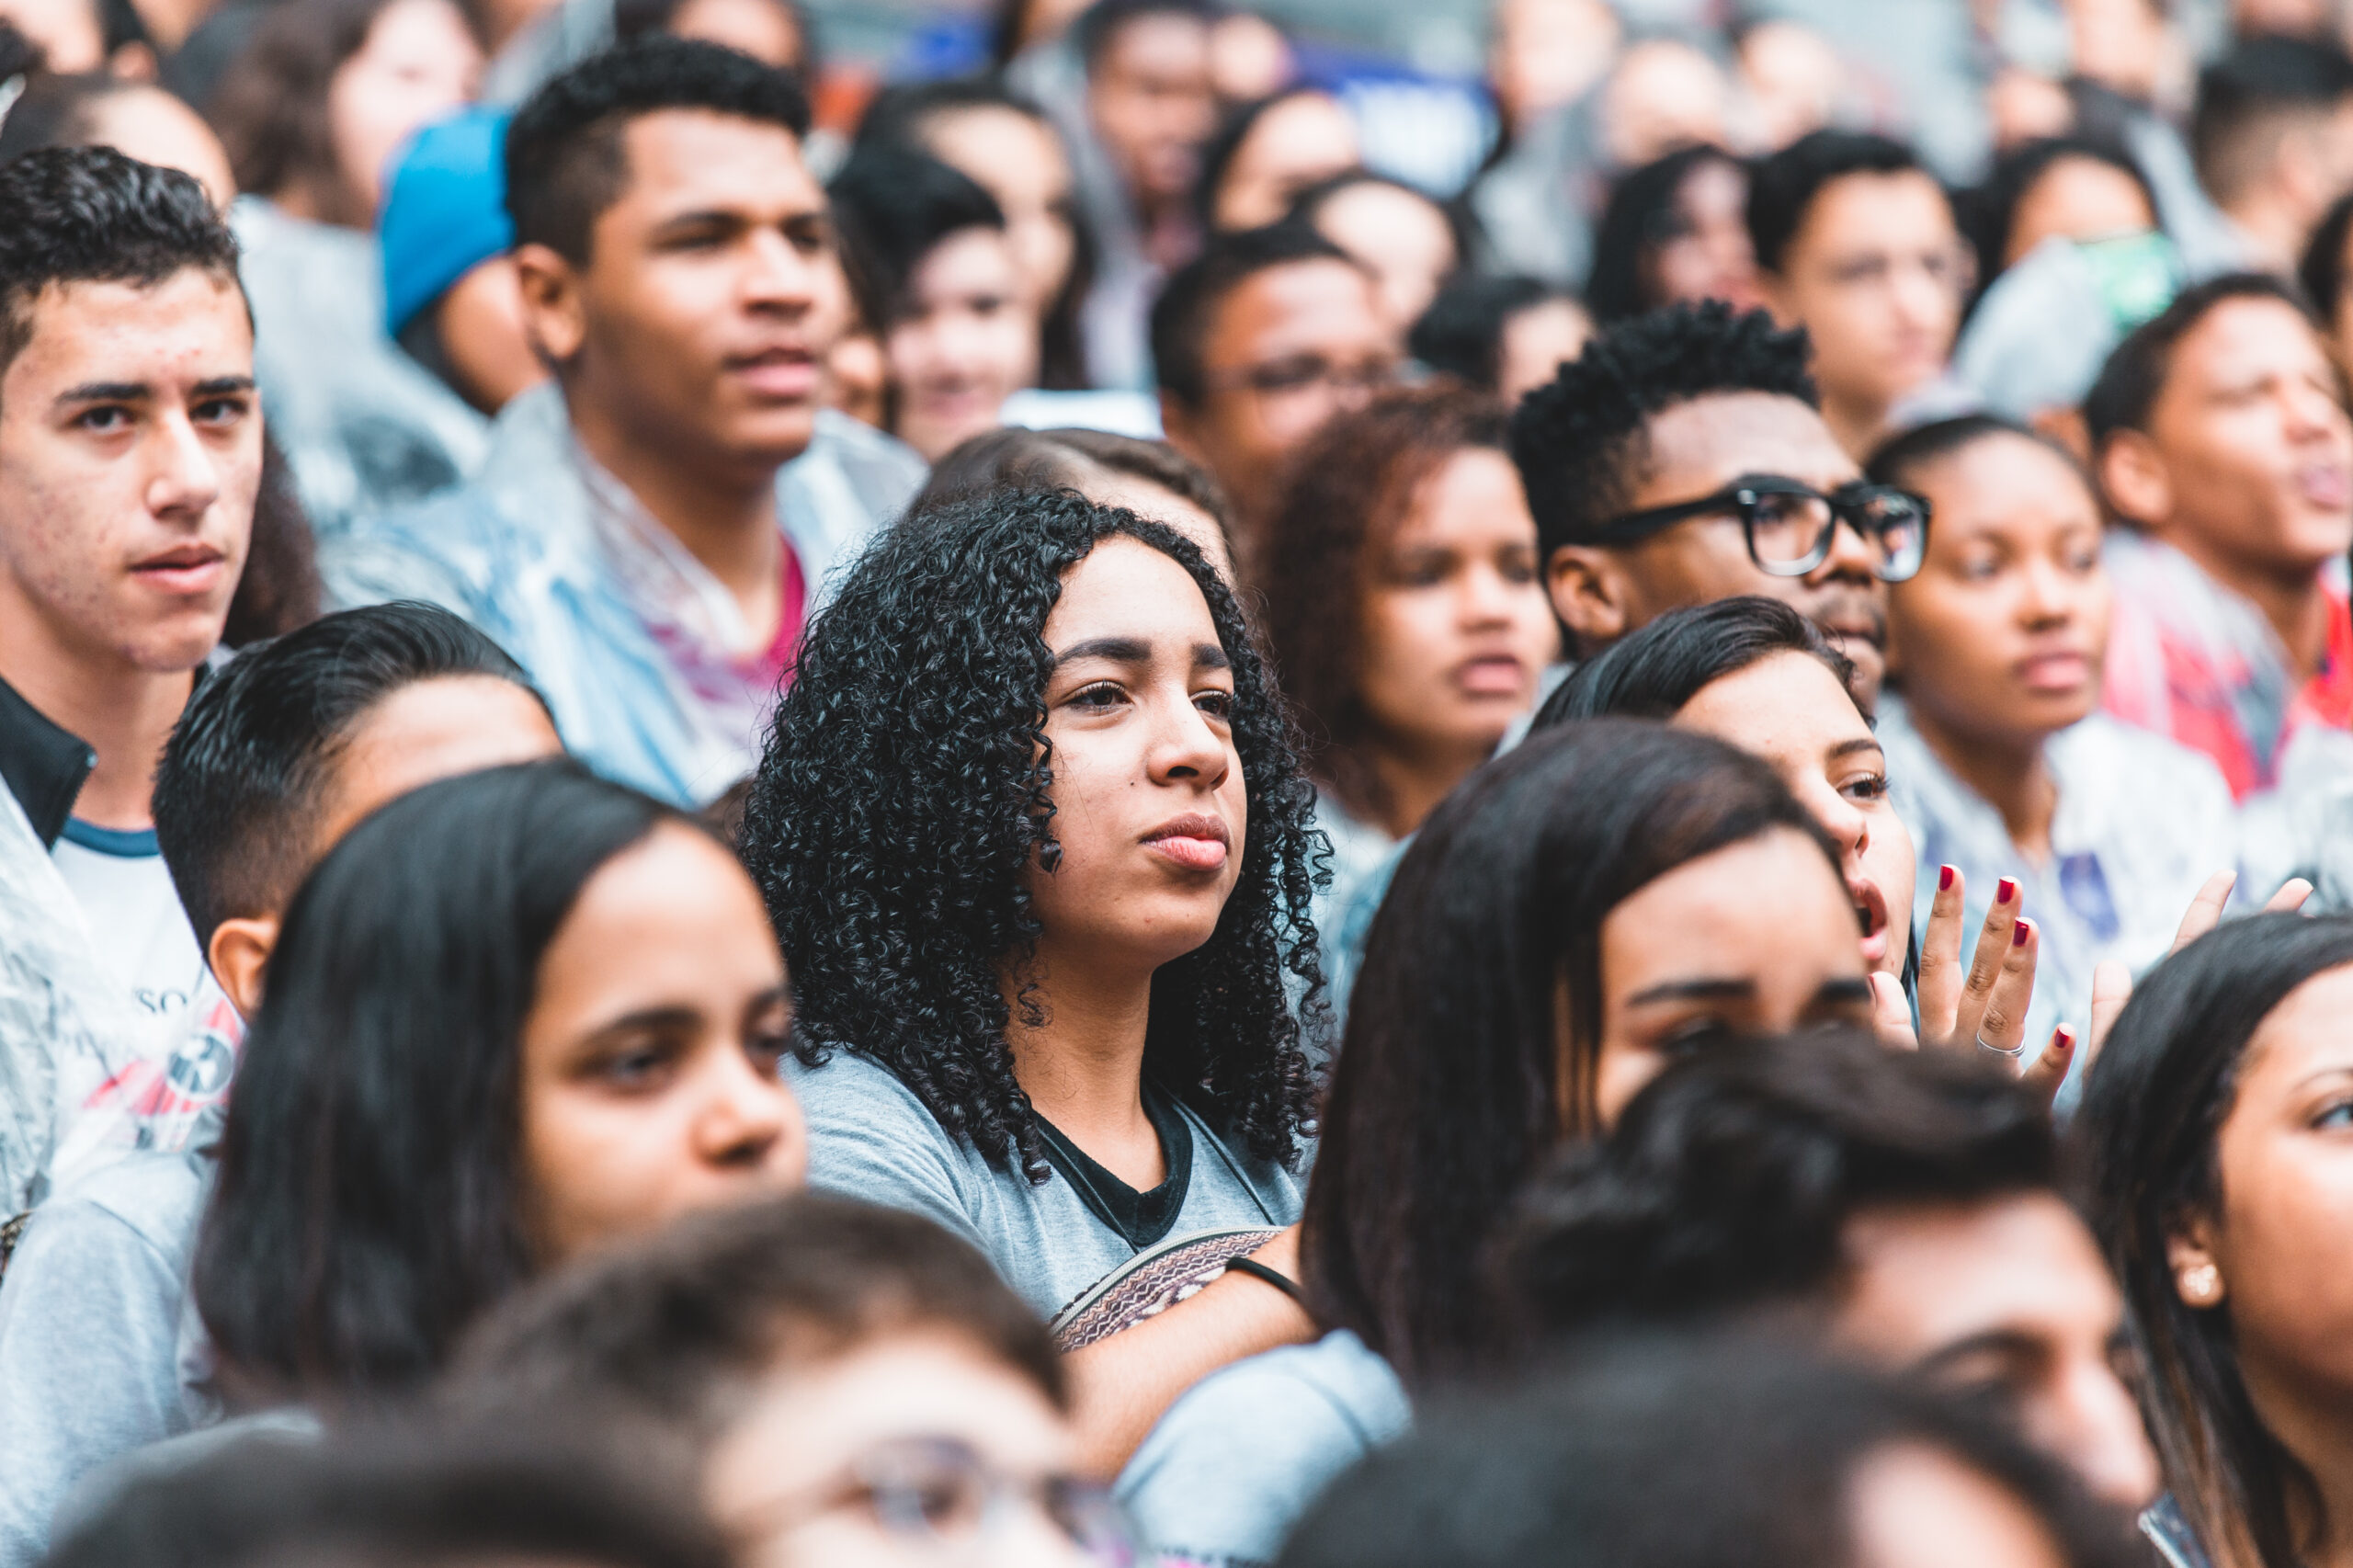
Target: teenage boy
1904,1206
1683,459
129,457
1856,242
277,758
2220,435
2272,140
631,538
1262,338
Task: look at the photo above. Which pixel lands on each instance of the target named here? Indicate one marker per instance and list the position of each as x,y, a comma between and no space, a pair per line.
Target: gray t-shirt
94,1336
1237,1461
870,1138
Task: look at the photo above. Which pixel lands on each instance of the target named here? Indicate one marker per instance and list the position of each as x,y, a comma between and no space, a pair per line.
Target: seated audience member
135,118
1998,757
1258,342
1147,105
2272,139
1906,1207
1681,459
1402,608
1017,153
1506,336
451,296
1151,479
940,286
1676,231
2219,436
2326,274
512,1018
1409,243
2212,1121
1671,1453
630,538
410,1500
1563,926
1042,964
313,112
760,1352
1856,242
1269,151
2069,187
130,451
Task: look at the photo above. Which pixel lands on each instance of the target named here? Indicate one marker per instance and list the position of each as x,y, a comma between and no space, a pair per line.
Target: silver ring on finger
2009,1054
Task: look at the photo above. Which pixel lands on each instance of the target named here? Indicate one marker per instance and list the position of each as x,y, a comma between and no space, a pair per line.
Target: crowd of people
748,819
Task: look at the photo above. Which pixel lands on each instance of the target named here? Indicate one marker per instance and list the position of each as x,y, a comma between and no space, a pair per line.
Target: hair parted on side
246,773
565,159
91,215
1654,672
1782,184
894,206
1067,459
906,787
1581,440
1184,316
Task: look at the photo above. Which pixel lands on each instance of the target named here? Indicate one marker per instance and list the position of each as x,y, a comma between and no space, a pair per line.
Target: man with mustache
130,452
635,537
1683,459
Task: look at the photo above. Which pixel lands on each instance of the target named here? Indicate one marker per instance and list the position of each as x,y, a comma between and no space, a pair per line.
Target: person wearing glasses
1683,459
1261,339
1998,760
1856,242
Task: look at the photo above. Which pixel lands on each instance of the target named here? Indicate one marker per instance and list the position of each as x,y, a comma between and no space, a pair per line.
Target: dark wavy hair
1351,491
907,786
1644,214
2153,1107
1473,1038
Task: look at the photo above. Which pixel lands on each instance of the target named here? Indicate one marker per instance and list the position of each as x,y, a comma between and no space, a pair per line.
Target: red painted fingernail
2065,1040
2007,892
1944,879
2017,935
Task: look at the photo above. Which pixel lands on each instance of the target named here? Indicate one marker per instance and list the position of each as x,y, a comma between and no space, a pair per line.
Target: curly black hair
906,786
1580,441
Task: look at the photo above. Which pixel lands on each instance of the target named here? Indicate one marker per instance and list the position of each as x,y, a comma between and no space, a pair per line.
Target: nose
185,478
1187,748
1850,558
778,276
1026,1538
1840,818
2311,413
1486,598
2046,598
751,1122
2097,1426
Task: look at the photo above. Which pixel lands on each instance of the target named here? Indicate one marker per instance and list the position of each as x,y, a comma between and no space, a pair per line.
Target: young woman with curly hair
1040,853
1404,611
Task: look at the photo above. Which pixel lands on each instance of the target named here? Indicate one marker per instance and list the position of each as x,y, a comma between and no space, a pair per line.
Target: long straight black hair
368,1202
2153,1107
1472,1038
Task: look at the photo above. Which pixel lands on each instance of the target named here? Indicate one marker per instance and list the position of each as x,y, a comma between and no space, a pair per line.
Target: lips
786,373
2324,484
1870,910
2059,670
1492,675
191,568
1196,841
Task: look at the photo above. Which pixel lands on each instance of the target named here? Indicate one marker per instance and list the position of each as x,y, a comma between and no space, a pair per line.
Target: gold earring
2200,1284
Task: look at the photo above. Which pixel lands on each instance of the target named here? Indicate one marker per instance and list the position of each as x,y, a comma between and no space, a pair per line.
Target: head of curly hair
907,788
1581,440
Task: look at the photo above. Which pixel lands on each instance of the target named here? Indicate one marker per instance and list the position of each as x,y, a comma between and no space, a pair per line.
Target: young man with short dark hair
1256,343
2272,140
1651,461
131,454
2220,433
1856,242
1903,1206
634,538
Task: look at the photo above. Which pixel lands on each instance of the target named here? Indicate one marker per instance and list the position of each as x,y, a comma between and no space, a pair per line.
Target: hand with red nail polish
1988,1000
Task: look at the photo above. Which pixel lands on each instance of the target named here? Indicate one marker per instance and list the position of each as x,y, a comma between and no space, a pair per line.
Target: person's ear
2196,1277
238,953
2299,172
1590,595
2133,477
1177,422
554,318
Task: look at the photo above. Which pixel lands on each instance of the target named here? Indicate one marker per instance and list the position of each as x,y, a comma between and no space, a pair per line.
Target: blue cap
445,212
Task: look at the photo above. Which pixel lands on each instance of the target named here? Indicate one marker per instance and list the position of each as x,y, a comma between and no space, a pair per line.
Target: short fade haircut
1729,1182
566,162
2251,97
1582,440
244,776
392,1499
2128,385
1183,315
1102,22
91,215
673,1337
1782,186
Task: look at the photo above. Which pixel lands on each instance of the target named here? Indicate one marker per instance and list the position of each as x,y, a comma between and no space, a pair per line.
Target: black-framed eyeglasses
1790,526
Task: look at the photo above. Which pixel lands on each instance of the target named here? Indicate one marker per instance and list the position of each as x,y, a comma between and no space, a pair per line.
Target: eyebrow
216,385
1996,1341
1702,988
1119,650
140,391
1859,743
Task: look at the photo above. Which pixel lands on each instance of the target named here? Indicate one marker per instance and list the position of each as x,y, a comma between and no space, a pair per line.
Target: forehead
2246,337
698,160
1704,443
1996,479
1789,703
1703,918
191,327
1920,1278
1296,307
1126,588
2306,1034
1896,206
1158,44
